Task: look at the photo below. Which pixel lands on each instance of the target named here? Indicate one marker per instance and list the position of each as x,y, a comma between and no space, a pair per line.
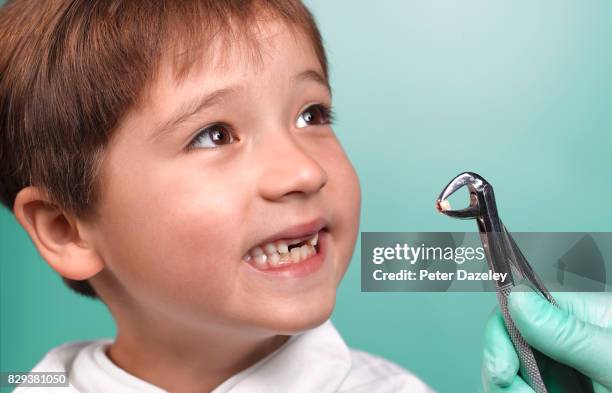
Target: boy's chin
293,320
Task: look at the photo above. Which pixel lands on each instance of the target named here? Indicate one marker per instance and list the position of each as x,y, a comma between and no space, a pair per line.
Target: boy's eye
314,115
212,136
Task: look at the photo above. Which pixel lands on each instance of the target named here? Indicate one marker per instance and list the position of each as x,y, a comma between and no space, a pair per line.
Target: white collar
317,360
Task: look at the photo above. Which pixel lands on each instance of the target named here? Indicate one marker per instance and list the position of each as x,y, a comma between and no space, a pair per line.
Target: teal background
519,91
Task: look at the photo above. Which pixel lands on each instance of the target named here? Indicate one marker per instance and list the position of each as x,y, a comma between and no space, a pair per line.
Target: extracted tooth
295,254
260,260
270,249
304,252
444,205
256,251
314,239
282,247
274,259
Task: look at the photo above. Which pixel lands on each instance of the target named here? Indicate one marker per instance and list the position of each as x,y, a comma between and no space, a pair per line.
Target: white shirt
316,360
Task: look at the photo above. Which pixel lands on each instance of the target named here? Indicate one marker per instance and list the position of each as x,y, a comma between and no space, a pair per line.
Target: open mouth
283,252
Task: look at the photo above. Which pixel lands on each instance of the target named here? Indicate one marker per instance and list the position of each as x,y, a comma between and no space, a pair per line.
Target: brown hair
69,71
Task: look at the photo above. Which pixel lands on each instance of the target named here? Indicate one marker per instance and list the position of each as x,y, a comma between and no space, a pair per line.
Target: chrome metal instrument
504,256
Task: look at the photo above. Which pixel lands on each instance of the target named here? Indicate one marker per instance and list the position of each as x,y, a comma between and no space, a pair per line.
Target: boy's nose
289,169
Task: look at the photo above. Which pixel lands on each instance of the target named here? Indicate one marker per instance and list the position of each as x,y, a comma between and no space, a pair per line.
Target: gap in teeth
278,253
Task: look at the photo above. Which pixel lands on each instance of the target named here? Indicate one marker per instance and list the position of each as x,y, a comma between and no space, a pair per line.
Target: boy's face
176,222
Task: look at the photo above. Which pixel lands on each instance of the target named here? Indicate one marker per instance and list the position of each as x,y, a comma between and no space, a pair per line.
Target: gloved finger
500,364
517,385
561,336
592,307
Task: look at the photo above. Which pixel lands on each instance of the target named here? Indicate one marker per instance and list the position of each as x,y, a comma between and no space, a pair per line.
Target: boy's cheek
345,187
176,273
154,246
343,203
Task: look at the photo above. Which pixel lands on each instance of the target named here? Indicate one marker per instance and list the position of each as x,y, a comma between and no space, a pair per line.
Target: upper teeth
278,253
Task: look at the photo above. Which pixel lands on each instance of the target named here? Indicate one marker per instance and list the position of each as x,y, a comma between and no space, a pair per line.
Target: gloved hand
578,334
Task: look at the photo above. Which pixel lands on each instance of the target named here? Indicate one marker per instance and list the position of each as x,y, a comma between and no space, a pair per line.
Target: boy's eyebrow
191,108
314,76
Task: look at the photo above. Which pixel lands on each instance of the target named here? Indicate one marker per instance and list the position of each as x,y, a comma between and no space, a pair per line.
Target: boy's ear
56,235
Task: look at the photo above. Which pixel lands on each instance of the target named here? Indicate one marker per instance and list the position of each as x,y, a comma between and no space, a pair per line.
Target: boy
176,161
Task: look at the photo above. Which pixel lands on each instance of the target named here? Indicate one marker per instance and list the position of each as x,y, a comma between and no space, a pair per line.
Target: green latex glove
578,334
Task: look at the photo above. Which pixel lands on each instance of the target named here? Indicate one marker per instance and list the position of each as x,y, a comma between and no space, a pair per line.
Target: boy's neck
183,362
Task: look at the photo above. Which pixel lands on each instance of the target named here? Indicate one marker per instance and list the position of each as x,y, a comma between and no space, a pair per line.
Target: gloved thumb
562,336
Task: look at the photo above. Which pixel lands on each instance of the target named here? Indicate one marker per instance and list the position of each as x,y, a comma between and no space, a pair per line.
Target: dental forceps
504,256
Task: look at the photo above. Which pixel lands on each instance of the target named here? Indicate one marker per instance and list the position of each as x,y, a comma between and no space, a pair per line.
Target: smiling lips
283,252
